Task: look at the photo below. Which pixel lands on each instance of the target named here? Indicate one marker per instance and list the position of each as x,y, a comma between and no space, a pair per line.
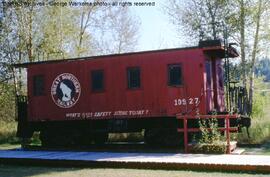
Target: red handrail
227,127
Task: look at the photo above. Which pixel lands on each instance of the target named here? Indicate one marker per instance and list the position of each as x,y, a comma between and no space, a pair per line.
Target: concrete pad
248,163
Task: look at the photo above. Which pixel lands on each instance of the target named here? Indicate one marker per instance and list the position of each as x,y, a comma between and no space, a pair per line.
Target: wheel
25,142
45,138
82,139
151,137
100,138
65,138
163,137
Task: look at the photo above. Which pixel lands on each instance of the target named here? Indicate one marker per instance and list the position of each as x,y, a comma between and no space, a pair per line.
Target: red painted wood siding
154,97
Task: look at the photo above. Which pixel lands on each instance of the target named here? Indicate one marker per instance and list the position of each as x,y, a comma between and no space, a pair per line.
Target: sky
156,31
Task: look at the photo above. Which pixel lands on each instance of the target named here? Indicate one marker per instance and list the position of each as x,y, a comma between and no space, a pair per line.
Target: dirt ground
262,150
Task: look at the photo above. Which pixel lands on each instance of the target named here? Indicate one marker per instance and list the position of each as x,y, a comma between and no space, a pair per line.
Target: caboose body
92,96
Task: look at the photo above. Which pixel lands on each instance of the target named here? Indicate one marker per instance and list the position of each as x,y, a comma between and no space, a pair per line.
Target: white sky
156,31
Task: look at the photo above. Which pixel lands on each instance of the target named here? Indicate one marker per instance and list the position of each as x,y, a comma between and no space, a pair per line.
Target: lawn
23,171
9,146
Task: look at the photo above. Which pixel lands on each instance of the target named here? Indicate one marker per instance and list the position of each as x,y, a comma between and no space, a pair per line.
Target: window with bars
175,75
134,77
97,80
38,85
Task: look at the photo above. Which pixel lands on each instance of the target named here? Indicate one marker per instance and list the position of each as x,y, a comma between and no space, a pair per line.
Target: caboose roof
210,50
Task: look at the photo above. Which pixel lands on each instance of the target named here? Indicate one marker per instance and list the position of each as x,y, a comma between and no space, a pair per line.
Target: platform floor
247,163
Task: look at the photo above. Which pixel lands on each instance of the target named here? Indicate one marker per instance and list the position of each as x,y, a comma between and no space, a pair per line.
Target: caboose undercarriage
157,131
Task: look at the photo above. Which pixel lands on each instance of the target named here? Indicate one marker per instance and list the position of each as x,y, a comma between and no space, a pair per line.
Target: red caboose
86,98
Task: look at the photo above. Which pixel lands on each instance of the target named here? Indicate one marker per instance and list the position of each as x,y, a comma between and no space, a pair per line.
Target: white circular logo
65,90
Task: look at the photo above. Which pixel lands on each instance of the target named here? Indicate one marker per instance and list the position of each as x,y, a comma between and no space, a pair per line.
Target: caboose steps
238,151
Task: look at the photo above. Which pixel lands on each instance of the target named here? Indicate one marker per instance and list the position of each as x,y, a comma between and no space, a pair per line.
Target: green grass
7,146
260,122
8,171
259,130
264,153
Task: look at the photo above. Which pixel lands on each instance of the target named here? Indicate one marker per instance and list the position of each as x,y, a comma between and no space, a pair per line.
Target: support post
185,134
228,134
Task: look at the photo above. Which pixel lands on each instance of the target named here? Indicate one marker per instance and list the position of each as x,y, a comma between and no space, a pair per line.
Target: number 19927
183,101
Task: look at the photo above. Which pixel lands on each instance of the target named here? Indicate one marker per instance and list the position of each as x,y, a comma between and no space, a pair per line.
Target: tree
26,30
88,18
9,49
122,32
262,68
199,18
107,30
257,20
57,33
8,55
242,26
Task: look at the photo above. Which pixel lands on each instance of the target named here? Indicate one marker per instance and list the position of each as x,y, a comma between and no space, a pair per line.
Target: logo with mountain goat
65,90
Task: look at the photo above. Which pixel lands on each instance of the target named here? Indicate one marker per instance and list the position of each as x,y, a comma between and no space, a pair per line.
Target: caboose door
214,86
219,81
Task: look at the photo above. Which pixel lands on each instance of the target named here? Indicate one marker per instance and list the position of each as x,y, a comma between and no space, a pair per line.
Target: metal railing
227,129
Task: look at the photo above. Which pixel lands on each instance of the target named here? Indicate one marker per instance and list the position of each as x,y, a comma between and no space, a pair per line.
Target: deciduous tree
243,19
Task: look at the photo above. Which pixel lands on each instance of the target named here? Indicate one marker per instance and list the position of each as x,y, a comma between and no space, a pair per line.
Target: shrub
211,141
210,137
217,148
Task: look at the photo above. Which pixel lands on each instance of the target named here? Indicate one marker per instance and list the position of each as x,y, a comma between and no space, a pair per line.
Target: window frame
35,78
220,74
128,78
92,81
169,75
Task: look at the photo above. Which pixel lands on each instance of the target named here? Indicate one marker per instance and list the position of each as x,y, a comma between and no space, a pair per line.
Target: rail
227,127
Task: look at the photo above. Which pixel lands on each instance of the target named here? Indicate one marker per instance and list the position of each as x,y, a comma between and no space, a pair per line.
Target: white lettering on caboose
186,101
108,114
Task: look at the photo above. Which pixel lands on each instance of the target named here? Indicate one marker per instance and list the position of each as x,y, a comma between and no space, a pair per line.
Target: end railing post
228,134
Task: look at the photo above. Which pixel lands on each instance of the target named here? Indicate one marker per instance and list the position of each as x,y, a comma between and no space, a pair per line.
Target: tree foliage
120,34
199,19
57,32
7,102
262,68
